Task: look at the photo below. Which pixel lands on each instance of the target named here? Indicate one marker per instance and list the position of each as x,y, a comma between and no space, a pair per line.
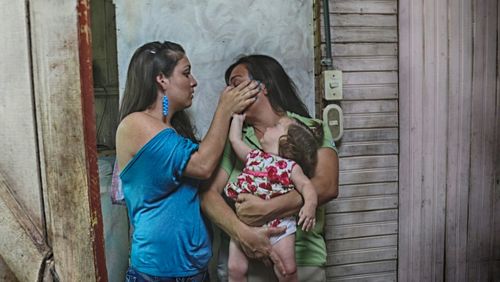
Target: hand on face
237,99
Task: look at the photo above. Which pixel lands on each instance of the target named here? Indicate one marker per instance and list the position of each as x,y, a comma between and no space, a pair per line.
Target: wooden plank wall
362,224
449,112
105,68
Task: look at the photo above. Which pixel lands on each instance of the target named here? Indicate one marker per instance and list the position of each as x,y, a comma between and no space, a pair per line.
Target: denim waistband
135,276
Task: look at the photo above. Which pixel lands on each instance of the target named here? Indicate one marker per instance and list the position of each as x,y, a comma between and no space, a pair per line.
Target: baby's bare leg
237,265
285,248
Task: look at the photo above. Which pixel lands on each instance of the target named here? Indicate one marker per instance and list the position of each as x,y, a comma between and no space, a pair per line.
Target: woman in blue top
161,162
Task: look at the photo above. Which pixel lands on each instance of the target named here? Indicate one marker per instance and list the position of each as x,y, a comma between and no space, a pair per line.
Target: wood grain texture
23,245
459,117
484,109
18,138
449,143
361,225
58,99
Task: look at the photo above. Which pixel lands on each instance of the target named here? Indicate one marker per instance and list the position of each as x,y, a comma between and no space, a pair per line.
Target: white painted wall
214,33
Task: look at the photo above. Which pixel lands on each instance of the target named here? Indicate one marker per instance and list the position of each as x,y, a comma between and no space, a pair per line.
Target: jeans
136,276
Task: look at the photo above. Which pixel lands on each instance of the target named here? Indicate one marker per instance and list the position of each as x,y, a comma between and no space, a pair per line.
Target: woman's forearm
255,211
326,176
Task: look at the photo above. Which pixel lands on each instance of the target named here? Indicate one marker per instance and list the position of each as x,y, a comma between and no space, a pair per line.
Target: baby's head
301,143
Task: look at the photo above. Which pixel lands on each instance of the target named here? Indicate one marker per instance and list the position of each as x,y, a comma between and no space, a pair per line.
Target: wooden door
49,197
449,160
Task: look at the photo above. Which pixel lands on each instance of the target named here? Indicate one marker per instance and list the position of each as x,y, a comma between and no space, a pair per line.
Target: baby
273,172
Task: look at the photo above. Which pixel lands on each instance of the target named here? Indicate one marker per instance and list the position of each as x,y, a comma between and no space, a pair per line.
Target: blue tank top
170,236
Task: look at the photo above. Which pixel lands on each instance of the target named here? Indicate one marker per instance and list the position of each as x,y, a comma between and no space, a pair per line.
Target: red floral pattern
265,175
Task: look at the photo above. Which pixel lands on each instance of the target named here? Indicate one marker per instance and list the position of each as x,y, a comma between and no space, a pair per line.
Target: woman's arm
254,241
255,212
233,100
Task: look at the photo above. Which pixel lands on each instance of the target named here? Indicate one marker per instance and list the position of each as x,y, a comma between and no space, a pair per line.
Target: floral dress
265,175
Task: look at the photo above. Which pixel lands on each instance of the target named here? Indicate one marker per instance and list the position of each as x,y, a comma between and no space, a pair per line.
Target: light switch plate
333,84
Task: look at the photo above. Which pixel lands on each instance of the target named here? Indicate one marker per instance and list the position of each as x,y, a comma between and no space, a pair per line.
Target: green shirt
310,246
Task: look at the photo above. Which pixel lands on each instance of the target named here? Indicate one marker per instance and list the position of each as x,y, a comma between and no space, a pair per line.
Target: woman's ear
263,88
162,81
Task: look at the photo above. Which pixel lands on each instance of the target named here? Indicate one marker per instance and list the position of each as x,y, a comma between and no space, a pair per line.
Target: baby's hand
236,127
307,217
239,118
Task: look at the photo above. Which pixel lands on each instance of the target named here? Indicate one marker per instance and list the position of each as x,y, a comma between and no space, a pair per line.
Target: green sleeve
228,158
327,134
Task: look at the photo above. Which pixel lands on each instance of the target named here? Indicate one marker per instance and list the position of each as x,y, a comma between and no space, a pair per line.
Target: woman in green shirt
277,98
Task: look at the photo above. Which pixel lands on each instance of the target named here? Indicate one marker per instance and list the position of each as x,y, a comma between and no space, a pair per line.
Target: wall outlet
334,118
333,84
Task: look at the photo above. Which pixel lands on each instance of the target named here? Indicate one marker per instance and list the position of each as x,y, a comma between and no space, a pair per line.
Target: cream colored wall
214,33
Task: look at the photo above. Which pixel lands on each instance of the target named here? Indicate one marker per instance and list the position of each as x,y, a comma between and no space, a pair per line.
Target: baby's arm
235,137
304,185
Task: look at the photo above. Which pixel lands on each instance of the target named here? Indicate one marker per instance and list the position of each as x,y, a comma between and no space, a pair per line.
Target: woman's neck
262,121
156,112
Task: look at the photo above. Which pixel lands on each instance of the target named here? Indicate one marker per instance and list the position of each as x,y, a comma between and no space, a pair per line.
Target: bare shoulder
130,126
132,133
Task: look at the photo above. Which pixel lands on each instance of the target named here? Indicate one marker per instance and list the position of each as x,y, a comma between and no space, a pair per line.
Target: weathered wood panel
18,140
370,189
363,20
22,243
386,77
459,139
59,104
364,6
449,103
377,277
6,274
364,34
379,63
105,72
362,243
364,49
496,209
362,268
362,217
367,255
373,91
361,230
370,134
368,148
483,152
368,175
106,108
423,128
361,225
349,163
353,107
352,121
363,204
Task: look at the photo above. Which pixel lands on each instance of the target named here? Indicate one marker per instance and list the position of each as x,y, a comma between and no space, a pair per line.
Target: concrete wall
214,33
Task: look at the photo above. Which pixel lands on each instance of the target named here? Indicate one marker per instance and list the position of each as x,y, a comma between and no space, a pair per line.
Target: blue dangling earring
165,107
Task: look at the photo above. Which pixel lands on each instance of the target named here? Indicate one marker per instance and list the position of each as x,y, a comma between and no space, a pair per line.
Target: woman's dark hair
282,92
301,144
141,89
